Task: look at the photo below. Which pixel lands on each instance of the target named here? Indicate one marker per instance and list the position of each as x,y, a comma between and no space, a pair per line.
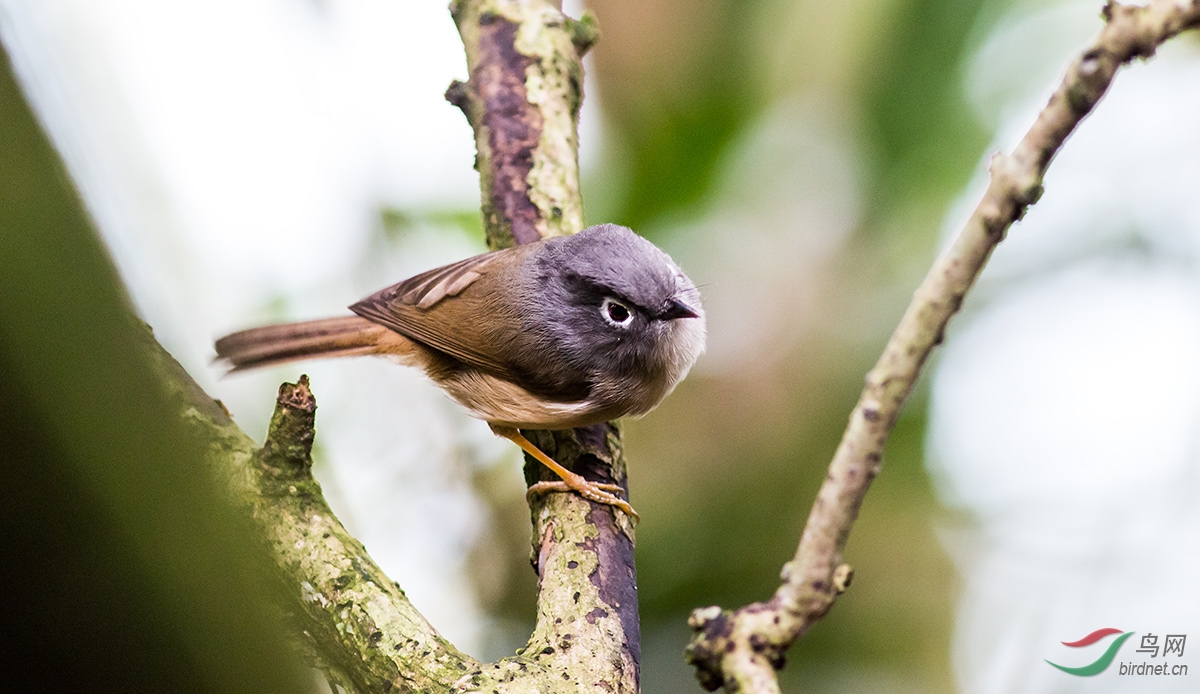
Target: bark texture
523,100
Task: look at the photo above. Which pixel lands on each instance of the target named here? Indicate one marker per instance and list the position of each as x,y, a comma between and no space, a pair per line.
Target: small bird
560,333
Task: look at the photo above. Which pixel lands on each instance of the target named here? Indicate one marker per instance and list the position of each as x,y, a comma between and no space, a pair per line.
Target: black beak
677,309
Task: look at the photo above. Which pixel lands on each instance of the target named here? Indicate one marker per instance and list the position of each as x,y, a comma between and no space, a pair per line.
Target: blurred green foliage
125,568
681,80
918,127
675,114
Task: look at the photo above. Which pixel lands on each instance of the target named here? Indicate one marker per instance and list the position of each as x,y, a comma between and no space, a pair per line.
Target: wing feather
441,307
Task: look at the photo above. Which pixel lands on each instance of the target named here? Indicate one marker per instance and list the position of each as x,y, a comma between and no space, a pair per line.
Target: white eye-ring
616,313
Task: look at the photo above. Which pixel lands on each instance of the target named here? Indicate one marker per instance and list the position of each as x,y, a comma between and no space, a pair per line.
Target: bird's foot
599,492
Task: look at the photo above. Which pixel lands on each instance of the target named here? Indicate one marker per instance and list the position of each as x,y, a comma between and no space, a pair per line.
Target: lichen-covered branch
352,621
358,626
523,99
741,650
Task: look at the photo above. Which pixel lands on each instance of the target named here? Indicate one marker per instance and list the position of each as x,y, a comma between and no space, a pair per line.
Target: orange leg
600,492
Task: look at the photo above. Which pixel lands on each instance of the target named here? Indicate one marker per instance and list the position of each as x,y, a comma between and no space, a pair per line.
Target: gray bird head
616,307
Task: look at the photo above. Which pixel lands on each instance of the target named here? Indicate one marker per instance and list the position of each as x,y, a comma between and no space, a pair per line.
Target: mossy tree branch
742,649
358,626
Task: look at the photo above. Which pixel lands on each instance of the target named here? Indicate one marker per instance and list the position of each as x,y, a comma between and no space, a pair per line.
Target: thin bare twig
742,649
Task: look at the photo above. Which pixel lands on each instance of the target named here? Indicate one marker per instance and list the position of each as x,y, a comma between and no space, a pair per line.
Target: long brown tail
275,344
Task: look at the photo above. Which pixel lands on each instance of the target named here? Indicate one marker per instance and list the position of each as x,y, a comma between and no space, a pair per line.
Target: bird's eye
616,313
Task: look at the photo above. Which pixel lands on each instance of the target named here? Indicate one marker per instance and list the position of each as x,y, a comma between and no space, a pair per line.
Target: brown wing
444,309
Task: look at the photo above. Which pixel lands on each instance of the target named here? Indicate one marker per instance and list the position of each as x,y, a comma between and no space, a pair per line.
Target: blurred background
270,160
